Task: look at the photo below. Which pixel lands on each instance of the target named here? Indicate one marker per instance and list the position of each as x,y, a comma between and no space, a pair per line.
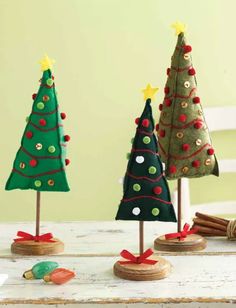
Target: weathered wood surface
105,238
204,279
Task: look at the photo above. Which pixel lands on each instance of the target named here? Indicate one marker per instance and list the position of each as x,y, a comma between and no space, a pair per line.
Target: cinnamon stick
205,230
210,224
217,220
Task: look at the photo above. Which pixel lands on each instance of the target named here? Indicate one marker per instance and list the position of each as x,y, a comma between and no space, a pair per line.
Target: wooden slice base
32,248
192,242
143,272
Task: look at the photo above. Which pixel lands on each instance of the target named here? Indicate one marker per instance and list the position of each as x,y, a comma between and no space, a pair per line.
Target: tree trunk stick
179,206
141,238
37,213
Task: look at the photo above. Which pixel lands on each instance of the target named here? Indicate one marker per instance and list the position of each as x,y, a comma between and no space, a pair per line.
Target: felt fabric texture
182,122
144,174
40,160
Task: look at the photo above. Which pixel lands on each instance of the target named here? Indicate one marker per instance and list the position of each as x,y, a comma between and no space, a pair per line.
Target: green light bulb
40,269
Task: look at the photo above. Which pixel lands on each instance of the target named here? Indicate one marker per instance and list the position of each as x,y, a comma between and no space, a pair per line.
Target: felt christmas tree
146,196
41,159
184,140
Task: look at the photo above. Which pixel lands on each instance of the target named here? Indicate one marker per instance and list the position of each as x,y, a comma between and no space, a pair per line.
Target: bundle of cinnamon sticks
211,226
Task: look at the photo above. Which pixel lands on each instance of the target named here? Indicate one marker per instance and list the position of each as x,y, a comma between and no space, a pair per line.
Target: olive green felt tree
184,140
41,159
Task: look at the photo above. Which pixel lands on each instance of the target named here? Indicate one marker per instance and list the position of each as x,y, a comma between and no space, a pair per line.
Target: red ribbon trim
24,236
132,259
182,234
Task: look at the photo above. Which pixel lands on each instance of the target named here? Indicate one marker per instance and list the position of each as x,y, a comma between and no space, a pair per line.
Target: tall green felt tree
146,193
184,140
41,159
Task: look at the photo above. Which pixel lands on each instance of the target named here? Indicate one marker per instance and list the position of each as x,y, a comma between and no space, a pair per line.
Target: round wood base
32,248
143,272
192,242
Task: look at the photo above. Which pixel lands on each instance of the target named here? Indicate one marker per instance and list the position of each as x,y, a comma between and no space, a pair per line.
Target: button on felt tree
41,160
184,141
146,197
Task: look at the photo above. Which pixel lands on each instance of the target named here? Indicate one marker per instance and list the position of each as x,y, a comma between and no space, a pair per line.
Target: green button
136,187
152,170
51,149
37,183
49,82
40,105
155,211
146,140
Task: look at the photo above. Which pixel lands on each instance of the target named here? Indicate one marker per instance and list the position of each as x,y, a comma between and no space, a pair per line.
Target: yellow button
179,135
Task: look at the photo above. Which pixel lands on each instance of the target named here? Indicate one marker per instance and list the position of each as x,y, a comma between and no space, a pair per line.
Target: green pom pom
40,105
136,187
155,211
49,82
132,140
27,119
146,140
51,149
37,183
128,155
152,170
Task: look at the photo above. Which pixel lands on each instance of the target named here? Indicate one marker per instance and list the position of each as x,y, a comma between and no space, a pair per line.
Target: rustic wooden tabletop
198,279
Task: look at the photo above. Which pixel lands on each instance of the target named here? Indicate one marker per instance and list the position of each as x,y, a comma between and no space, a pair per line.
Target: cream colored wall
106,51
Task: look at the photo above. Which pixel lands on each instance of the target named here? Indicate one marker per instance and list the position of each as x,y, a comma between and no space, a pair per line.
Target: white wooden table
200,279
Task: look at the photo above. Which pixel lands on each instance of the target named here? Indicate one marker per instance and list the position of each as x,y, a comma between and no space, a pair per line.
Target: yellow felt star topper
149,92
179,27
46,63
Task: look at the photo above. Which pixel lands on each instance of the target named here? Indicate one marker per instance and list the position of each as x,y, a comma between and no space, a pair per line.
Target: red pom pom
29,134
63,115
162,133
33,162
168,102
187,48
157,190
52,77
157,127
66,138
210,151
34,96
160,107
196,100
196,163
182,118
168,71
67,161
42,122
185,147
172,169
137,121
166,90
191,71
198,125
145,122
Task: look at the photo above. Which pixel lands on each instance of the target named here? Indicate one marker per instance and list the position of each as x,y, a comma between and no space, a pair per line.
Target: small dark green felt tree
146,193
41,159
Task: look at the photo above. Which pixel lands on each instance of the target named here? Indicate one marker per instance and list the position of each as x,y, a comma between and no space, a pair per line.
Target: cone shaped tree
146,193
41,159
184,140
146,198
